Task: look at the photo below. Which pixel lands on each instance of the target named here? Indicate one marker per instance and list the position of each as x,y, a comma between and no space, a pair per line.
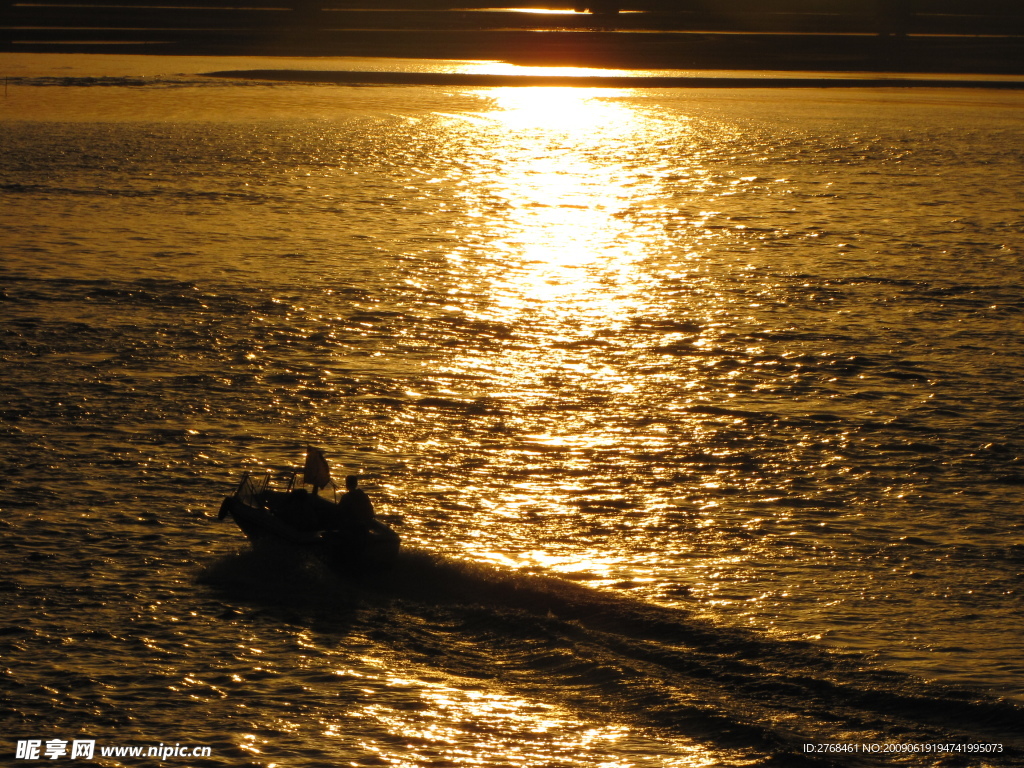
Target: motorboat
308,510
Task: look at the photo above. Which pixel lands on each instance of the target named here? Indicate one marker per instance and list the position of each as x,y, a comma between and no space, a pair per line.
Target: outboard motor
225,507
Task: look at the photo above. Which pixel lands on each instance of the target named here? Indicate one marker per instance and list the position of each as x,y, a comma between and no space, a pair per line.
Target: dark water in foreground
700,415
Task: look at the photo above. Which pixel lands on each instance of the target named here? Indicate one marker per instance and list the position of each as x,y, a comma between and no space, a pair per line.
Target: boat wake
657,667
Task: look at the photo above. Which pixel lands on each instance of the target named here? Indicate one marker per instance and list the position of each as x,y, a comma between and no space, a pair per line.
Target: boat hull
354,551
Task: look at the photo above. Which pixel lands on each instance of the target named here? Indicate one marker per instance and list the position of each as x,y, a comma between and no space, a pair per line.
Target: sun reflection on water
557,195
564,242
554,108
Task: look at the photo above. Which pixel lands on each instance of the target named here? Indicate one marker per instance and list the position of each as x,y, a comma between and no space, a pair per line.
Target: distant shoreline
344,77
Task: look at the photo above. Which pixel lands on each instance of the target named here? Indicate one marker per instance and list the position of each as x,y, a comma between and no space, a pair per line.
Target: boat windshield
251,486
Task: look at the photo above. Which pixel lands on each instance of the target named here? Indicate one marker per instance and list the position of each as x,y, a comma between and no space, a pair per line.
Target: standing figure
355,504
348,528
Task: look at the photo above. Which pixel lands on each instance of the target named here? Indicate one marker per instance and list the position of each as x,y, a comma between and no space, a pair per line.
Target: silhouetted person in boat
353,515
352,532
355,504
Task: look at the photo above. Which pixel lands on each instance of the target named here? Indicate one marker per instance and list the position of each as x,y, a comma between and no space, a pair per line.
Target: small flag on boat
316,472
